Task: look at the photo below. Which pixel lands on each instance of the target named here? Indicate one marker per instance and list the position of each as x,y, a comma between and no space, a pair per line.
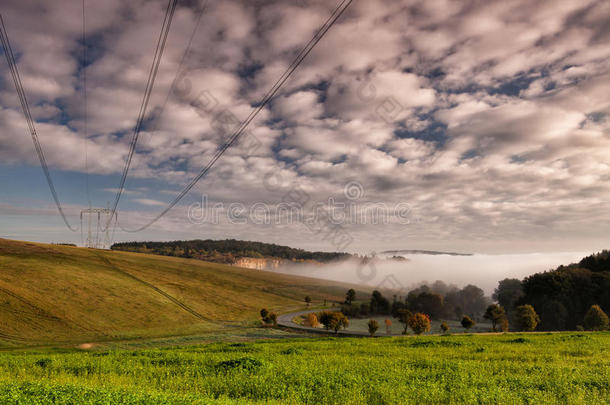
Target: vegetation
52,293
403,316
527,318
333,320
225,251
312,320
444,327
419,323
350,296
467,322
564,295
596,319
373,327
388,326
495,314
565,367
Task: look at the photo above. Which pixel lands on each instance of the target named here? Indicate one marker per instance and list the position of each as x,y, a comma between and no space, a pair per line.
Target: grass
503,368
51,294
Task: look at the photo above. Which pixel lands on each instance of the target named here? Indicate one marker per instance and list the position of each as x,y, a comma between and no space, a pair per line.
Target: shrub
444,327
373,326
272,318
264,314
419,323
467,322
307,300
246,363
596,319
527,318
504,325
580,328
388,326
312,320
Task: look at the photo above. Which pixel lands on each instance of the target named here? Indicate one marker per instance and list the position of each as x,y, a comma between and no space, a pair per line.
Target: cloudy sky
486,122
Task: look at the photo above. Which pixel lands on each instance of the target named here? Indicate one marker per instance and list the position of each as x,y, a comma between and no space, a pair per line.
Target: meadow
534,368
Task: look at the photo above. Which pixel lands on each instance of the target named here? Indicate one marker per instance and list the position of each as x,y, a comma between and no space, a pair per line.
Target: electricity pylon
100,216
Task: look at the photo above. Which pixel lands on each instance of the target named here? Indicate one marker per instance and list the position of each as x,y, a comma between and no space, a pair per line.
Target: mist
482,270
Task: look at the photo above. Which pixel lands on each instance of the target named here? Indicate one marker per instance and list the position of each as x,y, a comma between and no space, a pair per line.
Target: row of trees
438,301
563,298
217,249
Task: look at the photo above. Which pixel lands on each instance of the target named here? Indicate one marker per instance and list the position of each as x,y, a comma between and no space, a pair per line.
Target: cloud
489,118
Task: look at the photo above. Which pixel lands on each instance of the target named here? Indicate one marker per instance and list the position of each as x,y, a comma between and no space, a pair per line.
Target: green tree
403,316
350,296
272,318
495,314
596,319
308,300
444,327
467,322
527,318
373,326
419,323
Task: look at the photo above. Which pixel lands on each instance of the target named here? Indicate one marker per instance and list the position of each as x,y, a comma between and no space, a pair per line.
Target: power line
268,96
169,14
10,58
86,129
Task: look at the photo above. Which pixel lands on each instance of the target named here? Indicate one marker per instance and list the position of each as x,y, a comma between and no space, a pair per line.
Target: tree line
576,296
225,251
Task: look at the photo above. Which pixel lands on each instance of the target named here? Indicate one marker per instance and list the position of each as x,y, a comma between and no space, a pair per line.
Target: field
503,368
53,294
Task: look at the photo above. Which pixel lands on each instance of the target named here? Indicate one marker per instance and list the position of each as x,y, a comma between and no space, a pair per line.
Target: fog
480,269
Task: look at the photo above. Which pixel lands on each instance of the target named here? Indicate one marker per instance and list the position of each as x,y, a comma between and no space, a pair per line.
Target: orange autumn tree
419,323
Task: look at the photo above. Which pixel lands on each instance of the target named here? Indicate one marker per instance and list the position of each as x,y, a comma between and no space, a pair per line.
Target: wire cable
268,96
85,128
10,58
169,14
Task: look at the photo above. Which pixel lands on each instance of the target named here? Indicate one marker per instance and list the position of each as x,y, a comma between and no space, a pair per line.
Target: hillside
53,293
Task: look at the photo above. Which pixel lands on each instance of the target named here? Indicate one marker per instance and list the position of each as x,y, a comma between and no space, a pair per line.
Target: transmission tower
98,216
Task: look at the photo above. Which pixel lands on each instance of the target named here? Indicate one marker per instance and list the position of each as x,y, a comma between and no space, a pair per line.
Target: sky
469,126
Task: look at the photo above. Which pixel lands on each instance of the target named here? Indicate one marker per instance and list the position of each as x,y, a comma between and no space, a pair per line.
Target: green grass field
558,368
53,294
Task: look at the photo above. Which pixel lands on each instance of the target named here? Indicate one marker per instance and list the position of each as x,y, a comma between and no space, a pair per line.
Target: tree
527,318
403,317
264,314
373,326
473,300
350,296
429,303
333,320
444,327
379,304
494,313
272,318
339,321
312,320
467,322
419,323
508,293
596,319
388,325
308,300
553,316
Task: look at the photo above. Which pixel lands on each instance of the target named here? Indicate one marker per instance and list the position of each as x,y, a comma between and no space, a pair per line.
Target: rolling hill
54,294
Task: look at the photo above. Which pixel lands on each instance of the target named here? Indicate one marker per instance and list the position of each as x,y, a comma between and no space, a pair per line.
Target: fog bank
480,269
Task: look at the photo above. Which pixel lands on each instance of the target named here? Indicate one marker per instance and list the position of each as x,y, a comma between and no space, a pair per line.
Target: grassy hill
52,293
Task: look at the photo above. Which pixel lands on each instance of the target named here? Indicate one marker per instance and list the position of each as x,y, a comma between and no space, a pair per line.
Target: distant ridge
423,252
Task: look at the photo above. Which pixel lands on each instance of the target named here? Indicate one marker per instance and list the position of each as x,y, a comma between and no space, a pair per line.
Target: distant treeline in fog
227,250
